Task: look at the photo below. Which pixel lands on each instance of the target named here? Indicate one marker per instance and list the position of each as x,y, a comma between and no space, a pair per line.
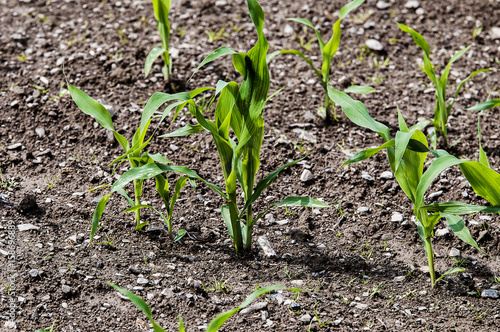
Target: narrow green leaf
226,216
185,131
310,25
221,51
344,11
306,59
459,208
98,214
180,234
181,325
360,89
458,227
451,271
141,304
91,107
486,105
264,183
152,56
357,113
484,181
437,166
419,40
367,153
302,201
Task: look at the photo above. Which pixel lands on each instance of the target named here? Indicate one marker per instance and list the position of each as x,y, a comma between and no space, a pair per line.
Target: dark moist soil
359,270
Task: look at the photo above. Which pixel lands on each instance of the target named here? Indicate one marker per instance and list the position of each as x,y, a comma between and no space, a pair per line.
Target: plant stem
430,257
137,192
235,222
328,106
249,228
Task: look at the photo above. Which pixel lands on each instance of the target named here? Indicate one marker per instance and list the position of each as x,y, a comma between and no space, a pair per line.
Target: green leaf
91,107
367,153
264,183
226,216
310,25
181,325
302,201
329,51
451,271
458,227
221,51
486,105
357,113
306,59
344,11
180,235
419,40
484,181
437,166
98,214
141,304
151,170
402,140
158,99
152,56
459,208
360,89
218,321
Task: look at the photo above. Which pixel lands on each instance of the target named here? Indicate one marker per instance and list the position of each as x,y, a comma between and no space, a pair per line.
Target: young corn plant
328,51
215,324
407,153
239,109
483,180
134,151
442,109
162,11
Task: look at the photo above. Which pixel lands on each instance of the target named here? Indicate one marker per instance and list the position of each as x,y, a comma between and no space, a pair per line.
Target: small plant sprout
134,152
407,154
52,328
215,324
239,112
441,110
162,11
328,51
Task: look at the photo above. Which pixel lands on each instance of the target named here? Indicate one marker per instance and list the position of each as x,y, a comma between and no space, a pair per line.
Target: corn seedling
162,11
441,109
215,324
134,152
328,51
52,328
240,108
214,36
407,154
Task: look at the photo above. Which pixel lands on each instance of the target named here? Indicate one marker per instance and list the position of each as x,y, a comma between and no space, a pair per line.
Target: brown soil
338,256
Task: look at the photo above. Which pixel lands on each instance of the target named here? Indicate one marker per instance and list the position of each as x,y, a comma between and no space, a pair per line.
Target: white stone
442,232
412,4
454,252
495,33
306,176
374,45
383,5
387,175
397,217
27,227
288,31
264,244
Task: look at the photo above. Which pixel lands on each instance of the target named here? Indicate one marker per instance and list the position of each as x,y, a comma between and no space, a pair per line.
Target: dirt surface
359,269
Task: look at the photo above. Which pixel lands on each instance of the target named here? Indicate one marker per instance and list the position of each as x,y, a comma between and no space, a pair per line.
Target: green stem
249,228
235,222
328,106
430,257
137,194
